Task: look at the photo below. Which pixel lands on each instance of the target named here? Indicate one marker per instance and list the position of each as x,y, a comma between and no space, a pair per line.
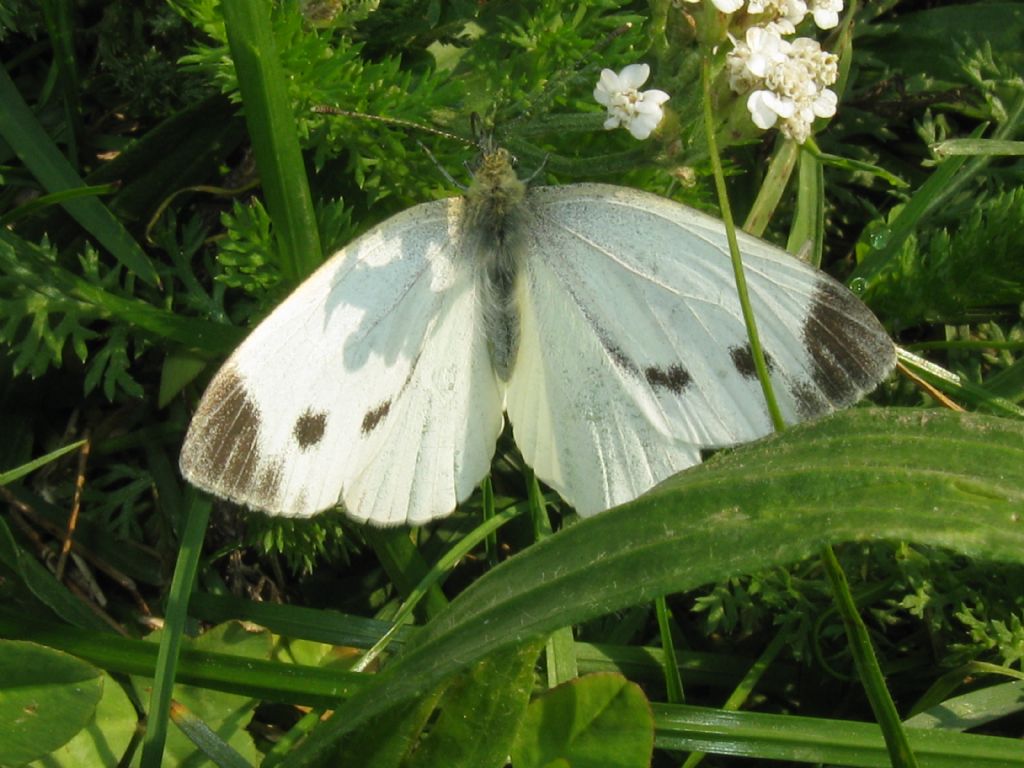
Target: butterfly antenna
401,123
444,171
395,121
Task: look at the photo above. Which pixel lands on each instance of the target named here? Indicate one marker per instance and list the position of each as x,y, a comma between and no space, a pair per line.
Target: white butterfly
603,320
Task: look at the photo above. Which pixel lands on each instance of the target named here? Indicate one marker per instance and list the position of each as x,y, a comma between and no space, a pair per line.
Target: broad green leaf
952,480
46,697
386,742
106,738
597,721
481,712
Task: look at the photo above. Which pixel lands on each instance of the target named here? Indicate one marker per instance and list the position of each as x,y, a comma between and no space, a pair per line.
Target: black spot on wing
850,349
374,416
675,378
309,428
743,361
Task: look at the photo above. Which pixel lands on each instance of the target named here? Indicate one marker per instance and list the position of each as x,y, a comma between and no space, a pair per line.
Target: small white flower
787,80
639,111
752,59
766,49
781,15
766,107
725,6
825,104
826,12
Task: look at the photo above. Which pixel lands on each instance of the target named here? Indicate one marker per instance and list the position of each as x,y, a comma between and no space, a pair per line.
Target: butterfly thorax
491,231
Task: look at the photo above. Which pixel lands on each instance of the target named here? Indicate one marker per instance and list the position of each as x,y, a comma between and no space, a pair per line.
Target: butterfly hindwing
370,384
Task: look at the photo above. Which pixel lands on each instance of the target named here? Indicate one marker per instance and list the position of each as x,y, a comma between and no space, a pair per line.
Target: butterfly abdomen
492,229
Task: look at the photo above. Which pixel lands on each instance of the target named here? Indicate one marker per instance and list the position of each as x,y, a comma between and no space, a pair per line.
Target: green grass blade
770,192
994,147
670,663
742,692
274,140
445,563
29,140
868,669
812,740
44,585
809,217
206,739
57,198
405,566
974,709
13,474
957,386
242,675
158,712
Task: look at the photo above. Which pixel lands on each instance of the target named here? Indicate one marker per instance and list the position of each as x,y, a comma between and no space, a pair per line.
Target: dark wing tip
850,349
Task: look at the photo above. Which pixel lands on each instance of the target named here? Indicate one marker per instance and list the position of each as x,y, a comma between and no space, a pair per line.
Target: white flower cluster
785,14
787,80
638,111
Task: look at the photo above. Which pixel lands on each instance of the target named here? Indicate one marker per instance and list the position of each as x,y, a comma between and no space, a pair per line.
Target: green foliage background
137,249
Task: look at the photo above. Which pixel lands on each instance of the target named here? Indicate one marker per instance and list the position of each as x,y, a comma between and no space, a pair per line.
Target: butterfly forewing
370,384
635,355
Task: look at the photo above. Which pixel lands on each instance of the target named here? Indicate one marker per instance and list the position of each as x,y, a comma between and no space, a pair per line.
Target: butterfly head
496,186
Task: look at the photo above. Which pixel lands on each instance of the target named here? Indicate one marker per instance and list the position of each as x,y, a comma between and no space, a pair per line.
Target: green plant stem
487,505
464,546
670,664
734,251
174,628
746,686
279,754
867,665
560,648
860,644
